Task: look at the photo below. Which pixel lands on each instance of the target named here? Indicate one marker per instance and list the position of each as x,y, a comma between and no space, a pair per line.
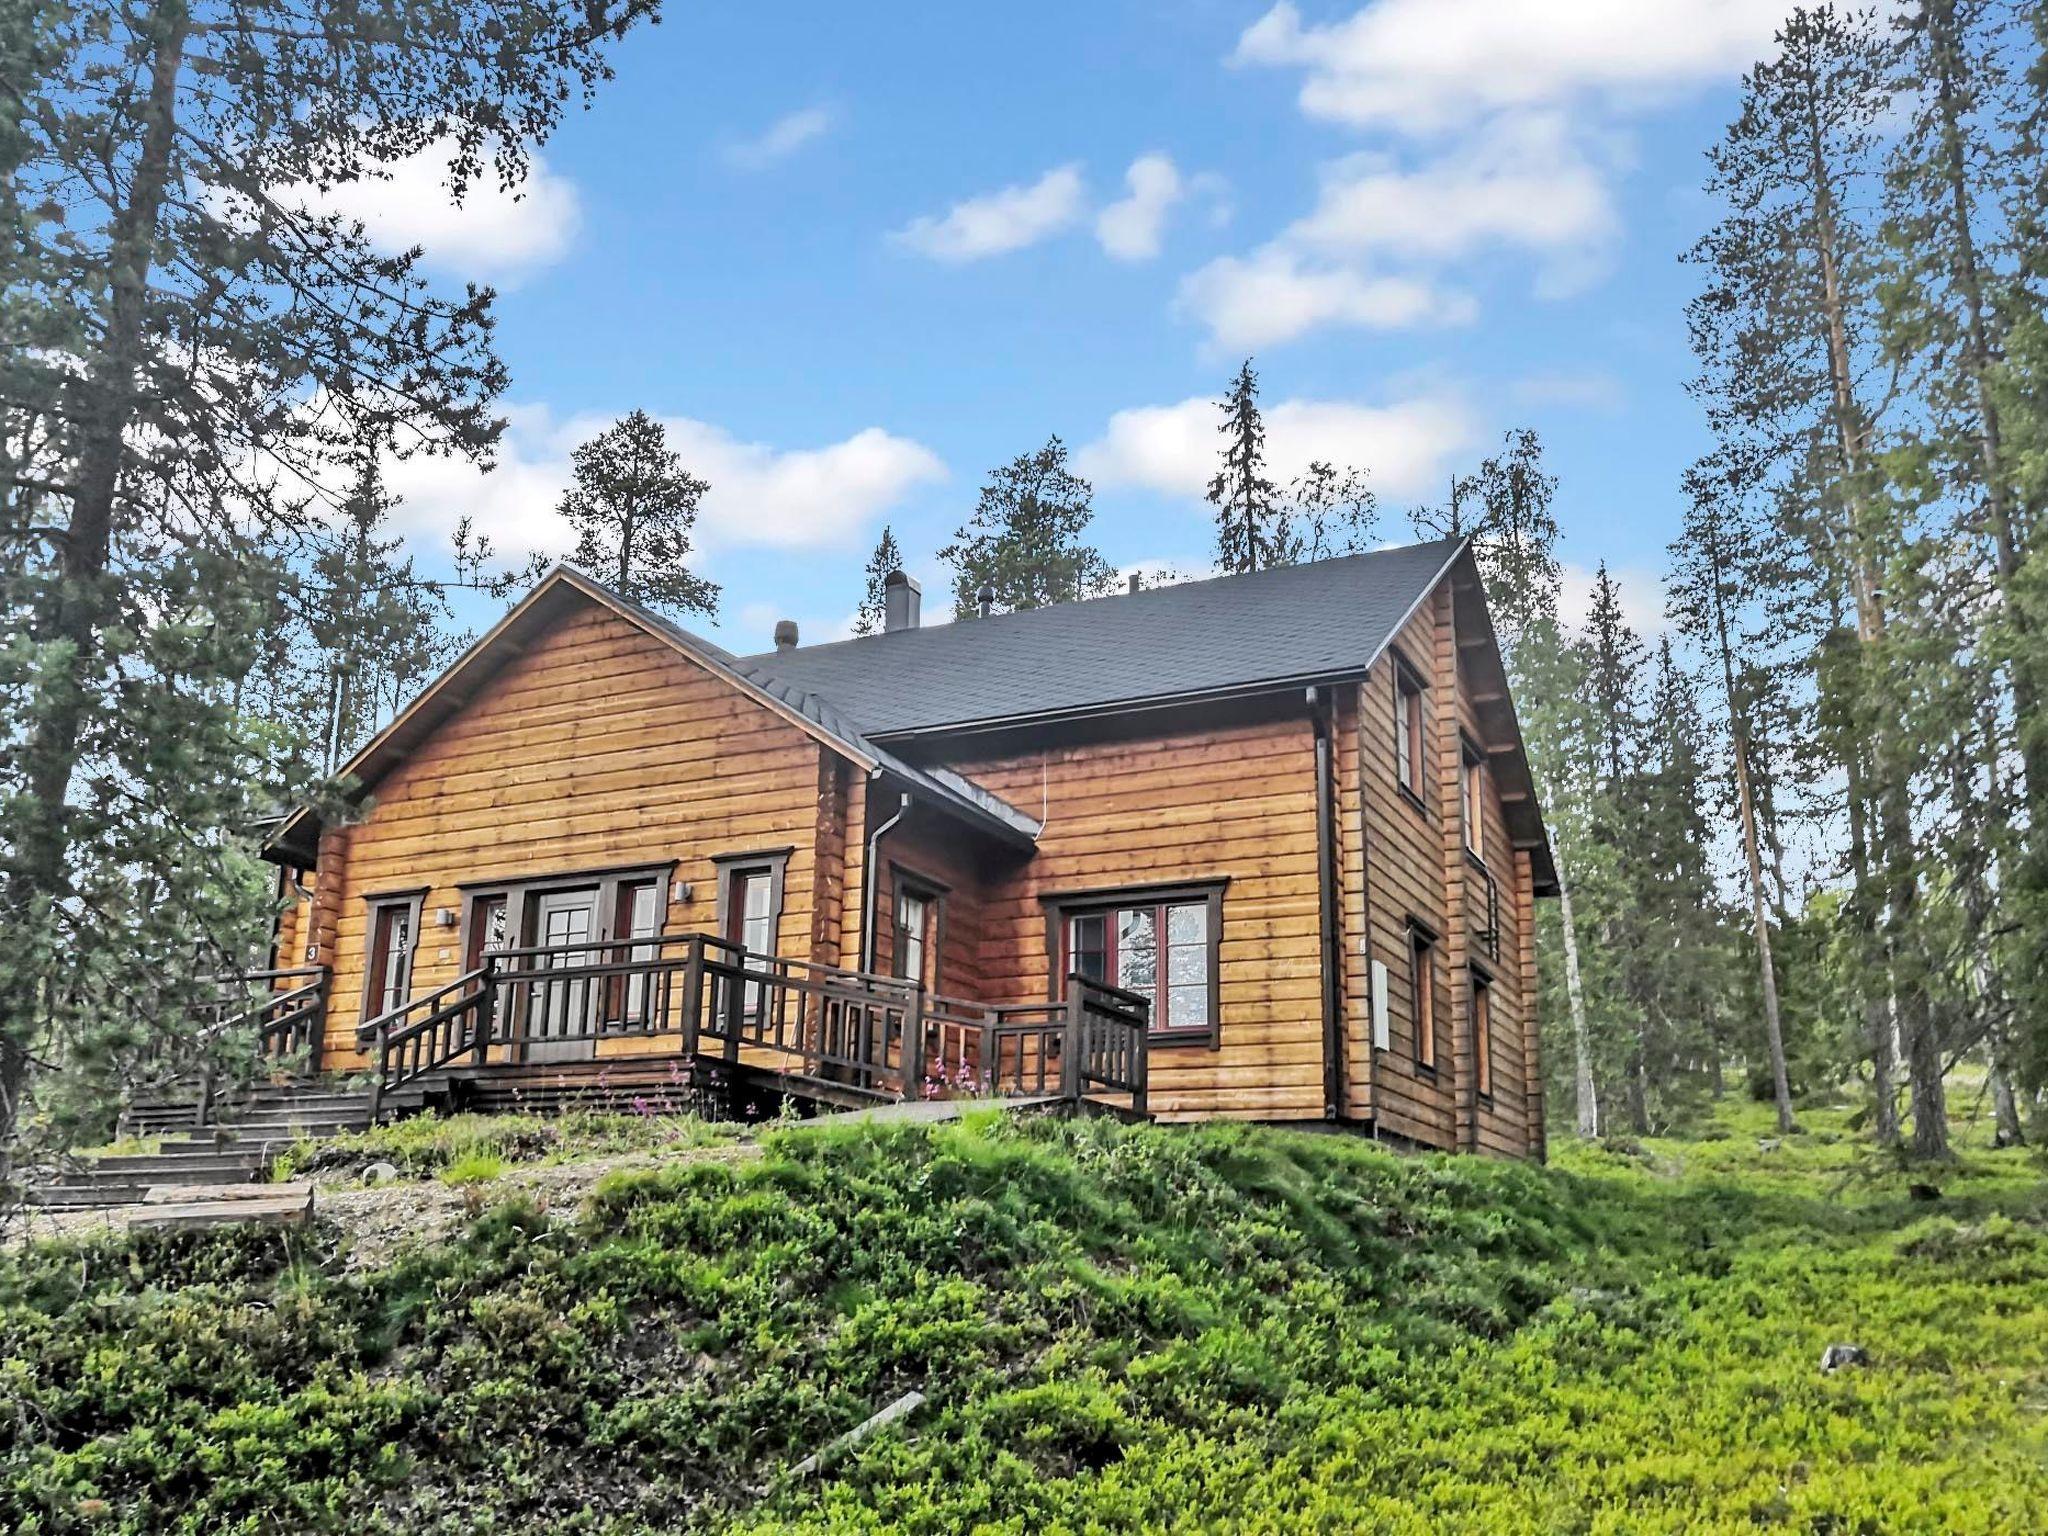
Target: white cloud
781,139
1275,295
1522,181
1642,598
1424,65
1406,447
492,233
1001,221
761,495
1131,230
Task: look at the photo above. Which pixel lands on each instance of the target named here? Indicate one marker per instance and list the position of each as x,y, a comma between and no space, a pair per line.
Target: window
1408,736
750,899
915,953
1422,990
1482,1033
387,969
1162,945
637,914
1472,801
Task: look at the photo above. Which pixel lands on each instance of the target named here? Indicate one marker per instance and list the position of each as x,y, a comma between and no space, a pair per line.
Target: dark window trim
935,892
775,861
519,894
1480,980
1470,755
1405,671
1059,906
376,902
1422,940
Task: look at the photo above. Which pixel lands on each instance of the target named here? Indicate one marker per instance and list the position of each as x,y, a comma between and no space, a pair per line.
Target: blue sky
858,256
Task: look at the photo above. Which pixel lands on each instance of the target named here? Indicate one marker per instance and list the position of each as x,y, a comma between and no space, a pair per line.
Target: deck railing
847,1034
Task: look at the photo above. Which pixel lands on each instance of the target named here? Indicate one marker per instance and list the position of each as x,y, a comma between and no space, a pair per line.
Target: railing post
1070,1045
316,1024
1140,1055
484,1015
735,1007
693,993
913,1046
383,1069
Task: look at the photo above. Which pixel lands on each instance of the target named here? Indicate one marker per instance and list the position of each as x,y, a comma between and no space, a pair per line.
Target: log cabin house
1261,847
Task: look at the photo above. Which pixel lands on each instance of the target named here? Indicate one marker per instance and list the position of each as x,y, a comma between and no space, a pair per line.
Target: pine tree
1024,542
1786,323
1717,559
1252,528
633,506
867,619
173,305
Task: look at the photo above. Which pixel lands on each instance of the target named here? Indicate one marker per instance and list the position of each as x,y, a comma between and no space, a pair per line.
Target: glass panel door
560,1013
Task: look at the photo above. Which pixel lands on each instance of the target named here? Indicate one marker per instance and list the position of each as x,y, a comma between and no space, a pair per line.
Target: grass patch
1118,1329
425,1145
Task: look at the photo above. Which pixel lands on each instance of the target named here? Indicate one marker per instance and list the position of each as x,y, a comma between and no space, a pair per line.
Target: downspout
867,881
1320,711
1365,945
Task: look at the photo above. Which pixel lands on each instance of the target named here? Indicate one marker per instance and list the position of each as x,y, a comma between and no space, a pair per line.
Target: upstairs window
1408,733
1162,946
1482,1034
1422,991
1472,801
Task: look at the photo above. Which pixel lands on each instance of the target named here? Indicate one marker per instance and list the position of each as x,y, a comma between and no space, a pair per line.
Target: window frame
1422,947
903,881
1411,738
519,892
375,955
1062,909
774,863
1473,778
1479,1011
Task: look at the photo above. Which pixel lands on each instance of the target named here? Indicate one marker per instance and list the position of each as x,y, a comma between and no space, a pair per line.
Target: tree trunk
1587,1098
71,627
1978,359
1866,581
1752,851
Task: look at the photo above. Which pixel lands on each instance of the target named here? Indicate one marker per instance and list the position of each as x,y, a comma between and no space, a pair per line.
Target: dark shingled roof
1302,622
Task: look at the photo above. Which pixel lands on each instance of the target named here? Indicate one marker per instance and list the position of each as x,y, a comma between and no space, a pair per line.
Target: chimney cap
1137,581
986,598
785,634
901,578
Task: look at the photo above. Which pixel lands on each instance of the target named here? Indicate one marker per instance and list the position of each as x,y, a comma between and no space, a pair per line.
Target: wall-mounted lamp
680,892
444,917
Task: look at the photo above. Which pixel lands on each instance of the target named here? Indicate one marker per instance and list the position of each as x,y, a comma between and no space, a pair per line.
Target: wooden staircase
237,1147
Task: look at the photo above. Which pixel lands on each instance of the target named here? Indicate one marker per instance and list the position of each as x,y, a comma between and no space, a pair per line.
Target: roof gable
563,591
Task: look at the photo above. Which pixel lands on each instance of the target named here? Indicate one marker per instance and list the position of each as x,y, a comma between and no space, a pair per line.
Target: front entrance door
561,1015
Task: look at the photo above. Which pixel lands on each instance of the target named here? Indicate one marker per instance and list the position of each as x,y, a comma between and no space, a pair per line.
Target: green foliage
1024,543
424,1145
1118,1329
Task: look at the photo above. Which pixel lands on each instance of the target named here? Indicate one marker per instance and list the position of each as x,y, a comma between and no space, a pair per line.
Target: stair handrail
392,1035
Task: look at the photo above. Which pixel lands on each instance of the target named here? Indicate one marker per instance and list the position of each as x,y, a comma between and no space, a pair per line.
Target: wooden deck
661,1015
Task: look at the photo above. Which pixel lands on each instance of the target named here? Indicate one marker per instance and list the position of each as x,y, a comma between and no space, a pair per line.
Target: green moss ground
1119,1330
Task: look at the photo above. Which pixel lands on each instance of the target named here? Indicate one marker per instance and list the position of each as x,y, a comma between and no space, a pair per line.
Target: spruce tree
868,617
1252,527
633,506
1025,541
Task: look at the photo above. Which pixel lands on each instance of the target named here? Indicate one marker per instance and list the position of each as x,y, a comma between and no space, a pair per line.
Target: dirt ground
380,1219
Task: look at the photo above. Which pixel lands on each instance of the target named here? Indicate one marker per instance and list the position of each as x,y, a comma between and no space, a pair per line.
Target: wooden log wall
599,747
1235,804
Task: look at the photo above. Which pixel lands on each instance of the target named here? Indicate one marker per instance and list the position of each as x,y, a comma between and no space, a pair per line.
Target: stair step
167,1166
